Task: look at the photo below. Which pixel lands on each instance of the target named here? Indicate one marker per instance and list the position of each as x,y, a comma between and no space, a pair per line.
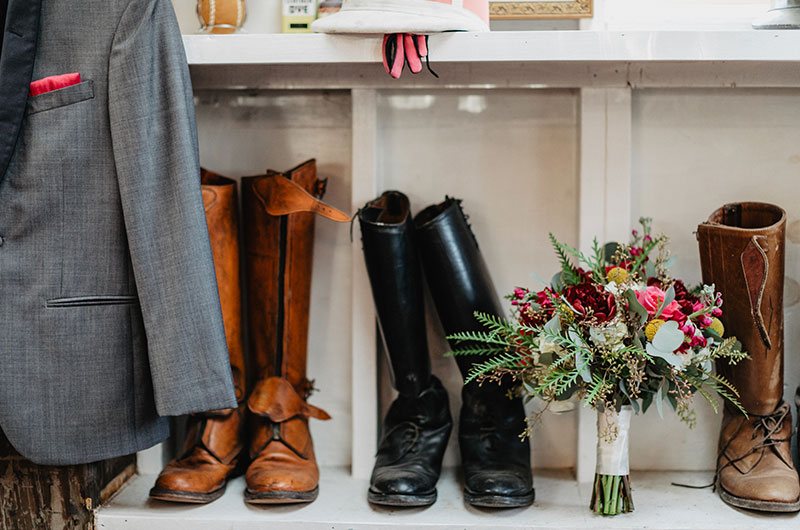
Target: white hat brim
399,16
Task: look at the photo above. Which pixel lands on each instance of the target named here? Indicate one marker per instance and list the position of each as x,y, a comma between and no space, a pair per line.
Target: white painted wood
511,155
561,503
526,46
152,460
244,134
514,74
617,222
364,187
592,214
693,151
605,182
697,15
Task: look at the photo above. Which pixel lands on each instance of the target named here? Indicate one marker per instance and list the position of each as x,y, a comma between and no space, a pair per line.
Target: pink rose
652,298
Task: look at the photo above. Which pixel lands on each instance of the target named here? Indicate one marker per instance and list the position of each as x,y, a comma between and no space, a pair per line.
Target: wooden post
34,497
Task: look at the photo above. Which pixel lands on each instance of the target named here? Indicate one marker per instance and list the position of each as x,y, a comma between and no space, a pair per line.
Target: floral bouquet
620,333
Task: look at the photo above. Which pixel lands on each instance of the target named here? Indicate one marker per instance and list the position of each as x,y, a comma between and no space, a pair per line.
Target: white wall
511,155
247,133
693,151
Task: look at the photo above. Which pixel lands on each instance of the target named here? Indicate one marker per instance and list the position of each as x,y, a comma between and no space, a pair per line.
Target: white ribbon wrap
613,457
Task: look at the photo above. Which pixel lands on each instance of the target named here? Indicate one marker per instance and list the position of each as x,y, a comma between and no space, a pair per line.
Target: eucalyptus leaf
635,306
669,296
582,364
634,403
671,358
650,269
553,325
557,283
668,338
539,279
670,262
673,401
647,400
659,400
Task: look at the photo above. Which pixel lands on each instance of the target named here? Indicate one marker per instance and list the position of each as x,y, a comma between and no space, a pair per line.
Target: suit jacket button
2,241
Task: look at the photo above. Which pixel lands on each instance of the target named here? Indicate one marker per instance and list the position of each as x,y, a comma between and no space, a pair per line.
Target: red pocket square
54,82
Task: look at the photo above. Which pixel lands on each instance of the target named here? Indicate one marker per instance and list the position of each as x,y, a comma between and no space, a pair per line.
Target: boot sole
186,496
499,501
398,499
280,497
760,506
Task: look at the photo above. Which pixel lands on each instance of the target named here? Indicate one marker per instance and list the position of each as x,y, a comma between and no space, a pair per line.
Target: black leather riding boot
418,424
496,463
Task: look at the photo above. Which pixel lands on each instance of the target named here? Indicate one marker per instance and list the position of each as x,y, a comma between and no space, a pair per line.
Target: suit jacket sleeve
154,138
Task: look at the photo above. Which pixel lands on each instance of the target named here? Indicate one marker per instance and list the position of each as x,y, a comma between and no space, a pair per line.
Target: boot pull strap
209,198
281,196
755,267
277,399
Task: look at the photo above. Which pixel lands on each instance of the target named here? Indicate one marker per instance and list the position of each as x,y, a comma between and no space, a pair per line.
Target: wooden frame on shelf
540,9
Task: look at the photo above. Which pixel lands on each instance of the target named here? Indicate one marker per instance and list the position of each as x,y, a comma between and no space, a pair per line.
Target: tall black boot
418,424
496,463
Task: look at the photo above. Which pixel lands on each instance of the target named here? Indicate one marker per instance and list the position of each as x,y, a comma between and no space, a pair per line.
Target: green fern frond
494,322
479,336
488,350
569,276
510,360
597,386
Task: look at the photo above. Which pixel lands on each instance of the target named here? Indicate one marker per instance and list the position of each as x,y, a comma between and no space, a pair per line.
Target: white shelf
560,503
506,46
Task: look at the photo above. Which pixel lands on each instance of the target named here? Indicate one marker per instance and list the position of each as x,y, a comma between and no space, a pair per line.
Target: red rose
590,299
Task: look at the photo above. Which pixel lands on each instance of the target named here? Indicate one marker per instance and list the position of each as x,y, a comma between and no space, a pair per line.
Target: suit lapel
16,68
3,9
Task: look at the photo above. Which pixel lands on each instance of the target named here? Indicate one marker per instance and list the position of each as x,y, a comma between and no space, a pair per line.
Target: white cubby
575,132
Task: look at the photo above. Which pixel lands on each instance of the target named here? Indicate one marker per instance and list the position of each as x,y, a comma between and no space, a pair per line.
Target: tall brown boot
279,244
215,439
742,249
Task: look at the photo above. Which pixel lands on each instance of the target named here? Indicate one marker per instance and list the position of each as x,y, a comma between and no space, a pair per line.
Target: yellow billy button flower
652,328
617,275
716,326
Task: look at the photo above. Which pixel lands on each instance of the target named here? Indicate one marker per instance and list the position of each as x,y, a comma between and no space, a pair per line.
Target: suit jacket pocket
61,97
83,301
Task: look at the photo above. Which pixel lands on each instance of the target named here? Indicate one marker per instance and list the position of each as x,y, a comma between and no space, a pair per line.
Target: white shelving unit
603,69
504,47
560,503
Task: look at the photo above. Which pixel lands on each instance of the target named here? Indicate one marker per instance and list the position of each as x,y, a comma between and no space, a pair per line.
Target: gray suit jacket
109,312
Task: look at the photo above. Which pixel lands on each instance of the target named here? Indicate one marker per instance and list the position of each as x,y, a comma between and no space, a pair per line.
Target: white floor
560,503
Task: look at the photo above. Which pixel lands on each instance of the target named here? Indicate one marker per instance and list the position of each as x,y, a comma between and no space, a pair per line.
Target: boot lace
767,428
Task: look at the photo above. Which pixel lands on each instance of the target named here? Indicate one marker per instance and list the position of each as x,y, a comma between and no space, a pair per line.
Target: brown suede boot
215,439
279,244
742,253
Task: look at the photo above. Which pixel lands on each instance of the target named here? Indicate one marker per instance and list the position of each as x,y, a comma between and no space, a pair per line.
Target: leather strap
755,267
281,196
276,399
209,198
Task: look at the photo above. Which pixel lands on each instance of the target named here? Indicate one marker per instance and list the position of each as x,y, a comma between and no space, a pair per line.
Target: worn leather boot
742,253
279,242
495,461
418,424
213,446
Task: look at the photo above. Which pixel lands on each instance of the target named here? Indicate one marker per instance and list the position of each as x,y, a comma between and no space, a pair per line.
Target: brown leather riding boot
279,242
742,253
215,439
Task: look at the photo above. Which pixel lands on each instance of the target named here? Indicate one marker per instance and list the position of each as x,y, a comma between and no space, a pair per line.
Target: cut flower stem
611,495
